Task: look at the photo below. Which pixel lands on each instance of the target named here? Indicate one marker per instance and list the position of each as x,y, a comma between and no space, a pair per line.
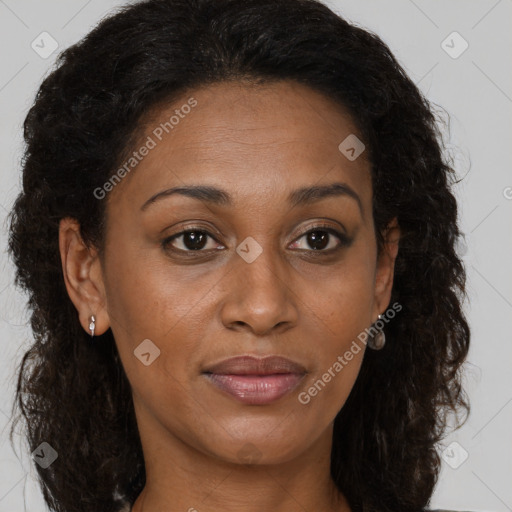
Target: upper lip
250,365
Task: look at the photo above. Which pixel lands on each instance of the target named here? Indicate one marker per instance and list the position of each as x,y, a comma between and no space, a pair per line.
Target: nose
259,296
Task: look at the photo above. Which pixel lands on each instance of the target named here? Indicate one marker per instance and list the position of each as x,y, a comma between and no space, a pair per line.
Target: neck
181,478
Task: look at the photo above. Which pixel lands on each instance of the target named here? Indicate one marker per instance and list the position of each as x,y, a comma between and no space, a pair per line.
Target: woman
237,232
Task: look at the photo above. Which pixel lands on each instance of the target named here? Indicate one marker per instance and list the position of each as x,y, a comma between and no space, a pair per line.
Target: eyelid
318,226
190,226
186,229
343,238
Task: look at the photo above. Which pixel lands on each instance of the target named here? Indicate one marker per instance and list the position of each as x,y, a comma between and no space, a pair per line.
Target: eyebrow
300,197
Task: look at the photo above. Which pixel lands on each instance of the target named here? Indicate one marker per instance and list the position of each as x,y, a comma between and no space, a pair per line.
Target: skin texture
258,143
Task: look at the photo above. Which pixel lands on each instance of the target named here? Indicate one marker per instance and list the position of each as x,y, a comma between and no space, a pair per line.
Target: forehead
256,140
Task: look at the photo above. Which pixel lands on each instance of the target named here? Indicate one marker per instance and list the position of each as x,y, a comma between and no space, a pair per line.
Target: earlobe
81,276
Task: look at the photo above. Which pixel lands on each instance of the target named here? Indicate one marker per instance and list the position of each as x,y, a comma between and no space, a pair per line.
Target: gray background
475,90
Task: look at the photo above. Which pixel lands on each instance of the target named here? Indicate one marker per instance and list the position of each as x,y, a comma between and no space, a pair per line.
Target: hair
87,112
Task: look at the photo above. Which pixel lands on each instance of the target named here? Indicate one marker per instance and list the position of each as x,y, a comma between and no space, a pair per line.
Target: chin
254,450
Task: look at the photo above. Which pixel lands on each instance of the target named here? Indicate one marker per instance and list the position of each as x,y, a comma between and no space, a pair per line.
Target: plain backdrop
456,51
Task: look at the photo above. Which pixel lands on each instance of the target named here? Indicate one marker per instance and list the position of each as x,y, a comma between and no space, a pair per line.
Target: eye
320,238
190,240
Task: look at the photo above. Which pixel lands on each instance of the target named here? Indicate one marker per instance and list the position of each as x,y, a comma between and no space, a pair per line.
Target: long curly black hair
86,114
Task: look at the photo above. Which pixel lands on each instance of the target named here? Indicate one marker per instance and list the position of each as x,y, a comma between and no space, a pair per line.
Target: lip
256,381
251,365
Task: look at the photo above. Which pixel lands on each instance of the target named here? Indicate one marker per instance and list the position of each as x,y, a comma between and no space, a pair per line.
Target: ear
386,268
83,276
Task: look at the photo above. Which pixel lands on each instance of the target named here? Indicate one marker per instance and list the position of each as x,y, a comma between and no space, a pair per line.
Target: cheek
147,296
325,393
341,306
343,295
153,300
337,348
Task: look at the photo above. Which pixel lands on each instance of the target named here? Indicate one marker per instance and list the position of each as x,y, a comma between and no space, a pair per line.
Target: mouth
256,381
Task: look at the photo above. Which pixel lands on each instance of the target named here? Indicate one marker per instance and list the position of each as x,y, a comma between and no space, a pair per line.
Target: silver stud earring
92,325
378,340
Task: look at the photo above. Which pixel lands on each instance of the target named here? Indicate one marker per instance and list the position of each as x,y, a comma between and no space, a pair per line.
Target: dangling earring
92,325
377,341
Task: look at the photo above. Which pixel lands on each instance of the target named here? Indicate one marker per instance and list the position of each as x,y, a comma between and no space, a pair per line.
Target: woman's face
248,279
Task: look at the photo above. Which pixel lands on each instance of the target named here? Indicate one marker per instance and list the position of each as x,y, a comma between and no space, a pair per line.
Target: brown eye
318,240
322,239
190,240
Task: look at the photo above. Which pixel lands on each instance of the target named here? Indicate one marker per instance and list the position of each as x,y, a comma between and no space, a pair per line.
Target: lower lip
256,389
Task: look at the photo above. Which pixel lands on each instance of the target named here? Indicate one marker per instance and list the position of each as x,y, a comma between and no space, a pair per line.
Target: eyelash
344,241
